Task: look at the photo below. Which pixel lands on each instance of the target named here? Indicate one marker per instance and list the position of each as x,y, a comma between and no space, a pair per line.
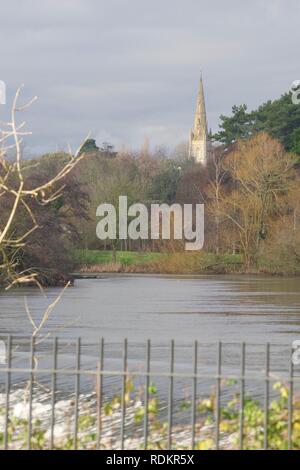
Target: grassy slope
129,261
126,258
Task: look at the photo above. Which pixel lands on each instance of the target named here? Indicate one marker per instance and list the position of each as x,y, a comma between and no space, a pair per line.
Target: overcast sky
129,69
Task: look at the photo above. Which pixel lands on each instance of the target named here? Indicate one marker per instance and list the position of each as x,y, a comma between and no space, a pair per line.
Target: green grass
126,258
168,263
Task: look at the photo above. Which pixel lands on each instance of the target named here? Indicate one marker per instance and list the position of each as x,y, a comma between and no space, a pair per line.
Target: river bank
97,262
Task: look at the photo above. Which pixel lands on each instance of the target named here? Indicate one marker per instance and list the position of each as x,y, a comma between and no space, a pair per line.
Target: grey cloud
126,69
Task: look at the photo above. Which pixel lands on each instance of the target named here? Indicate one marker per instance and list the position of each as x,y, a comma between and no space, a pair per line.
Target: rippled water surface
207,308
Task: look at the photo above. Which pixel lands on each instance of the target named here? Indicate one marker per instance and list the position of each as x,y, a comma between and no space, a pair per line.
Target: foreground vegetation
158,430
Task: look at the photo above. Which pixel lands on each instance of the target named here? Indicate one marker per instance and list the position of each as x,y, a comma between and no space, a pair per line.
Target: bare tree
263,174
216,188
17,193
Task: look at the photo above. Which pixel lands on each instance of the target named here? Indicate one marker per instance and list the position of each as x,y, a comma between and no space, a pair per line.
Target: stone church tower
199,143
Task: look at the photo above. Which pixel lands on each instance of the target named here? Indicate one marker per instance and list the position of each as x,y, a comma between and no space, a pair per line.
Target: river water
207,308
228,308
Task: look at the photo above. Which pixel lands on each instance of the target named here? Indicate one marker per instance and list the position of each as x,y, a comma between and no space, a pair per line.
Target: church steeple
199,142
200,122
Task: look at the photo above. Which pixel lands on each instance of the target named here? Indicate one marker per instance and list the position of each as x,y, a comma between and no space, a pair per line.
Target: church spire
200,122
199,145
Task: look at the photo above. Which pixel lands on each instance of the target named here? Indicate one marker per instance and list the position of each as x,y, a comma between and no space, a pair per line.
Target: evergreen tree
89,146
280,118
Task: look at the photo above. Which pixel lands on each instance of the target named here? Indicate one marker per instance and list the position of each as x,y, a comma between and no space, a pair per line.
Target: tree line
250,189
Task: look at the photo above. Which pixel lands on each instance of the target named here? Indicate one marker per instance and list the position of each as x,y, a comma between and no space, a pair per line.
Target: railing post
218,394
290,403
77,392
54,371
170,399
194,393
31,380
100,394
242,395
123,398
267,391
7,391
147,383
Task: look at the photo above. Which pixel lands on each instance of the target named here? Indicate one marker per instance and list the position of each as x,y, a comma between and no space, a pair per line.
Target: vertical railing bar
170,398
7,392
124,385
53,387
194,393
266,400
100,394
32,348
147,383
218,393
290,404
77,392
242,394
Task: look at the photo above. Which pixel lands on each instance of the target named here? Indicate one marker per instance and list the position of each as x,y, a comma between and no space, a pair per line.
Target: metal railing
32,366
